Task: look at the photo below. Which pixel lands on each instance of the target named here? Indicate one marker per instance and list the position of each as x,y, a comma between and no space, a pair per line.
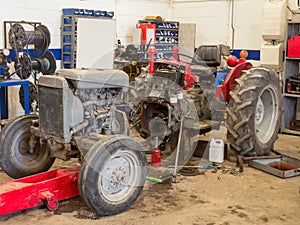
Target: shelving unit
291,68
68,41
166,34
69,21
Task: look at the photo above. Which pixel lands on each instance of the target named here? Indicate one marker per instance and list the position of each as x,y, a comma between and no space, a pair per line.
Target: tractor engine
81,102
98,110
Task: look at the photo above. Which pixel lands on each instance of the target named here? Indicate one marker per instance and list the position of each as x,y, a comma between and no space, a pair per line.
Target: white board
95,43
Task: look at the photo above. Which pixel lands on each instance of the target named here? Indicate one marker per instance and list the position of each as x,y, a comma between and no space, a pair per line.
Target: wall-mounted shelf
291,68
166,34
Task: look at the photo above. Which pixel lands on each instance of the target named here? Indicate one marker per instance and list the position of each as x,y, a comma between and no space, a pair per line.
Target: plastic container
66,58
110,14
67,48
216,150
67,66
71,11
97,12
67,20
67,39
67,29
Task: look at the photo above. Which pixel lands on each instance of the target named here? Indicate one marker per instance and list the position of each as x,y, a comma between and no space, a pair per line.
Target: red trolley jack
44,188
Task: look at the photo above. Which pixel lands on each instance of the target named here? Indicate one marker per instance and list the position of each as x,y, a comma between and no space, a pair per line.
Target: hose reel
45,64
19,38
39,37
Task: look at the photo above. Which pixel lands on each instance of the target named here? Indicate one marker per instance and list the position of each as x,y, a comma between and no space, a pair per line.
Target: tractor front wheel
113,175
19,159
254,112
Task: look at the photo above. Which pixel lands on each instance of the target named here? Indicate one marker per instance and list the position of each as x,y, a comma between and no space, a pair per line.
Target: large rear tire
254,112
112,175
17,160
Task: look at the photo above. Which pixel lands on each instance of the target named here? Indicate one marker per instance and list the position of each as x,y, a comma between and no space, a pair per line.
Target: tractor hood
95,78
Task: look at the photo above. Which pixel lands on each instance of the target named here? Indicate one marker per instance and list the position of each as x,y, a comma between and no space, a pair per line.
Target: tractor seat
209,55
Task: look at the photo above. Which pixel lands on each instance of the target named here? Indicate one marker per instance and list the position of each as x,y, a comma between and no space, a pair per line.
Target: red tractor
253,102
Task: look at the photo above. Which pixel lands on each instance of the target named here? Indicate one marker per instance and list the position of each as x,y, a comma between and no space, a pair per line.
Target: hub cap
266,114
119,176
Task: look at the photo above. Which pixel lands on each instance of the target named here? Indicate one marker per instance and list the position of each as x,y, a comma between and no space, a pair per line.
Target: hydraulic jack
41,189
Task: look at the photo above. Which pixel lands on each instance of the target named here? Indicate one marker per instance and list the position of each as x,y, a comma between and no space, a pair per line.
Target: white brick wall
213,19
127,13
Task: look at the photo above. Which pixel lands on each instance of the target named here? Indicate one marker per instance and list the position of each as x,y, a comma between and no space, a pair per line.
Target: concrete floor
209,198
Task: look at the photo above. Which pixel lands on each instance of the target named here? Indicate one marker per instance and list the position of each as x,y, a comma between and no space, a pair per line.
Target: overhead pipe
232,25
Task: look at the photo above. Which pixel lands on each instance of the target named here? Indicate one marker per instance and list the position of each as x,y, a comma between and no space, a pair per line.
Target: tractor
89,114
80,115
248,101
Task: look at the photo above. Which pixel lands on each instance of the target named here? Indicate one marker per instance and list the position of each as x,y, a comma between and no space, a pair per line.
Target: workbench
3,95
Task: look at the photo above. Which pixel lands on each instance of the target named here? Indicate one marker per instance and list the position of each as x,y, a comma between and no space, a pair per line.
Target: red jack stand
36,190
156,157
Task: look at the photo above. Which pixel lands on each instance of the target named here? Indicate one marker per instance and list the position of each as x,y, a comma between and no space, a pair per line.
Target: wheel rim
22,154
266,113
119,177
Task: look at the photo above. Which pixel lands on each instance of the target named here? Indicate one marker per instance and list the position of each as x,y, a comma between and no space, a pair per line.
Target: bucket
216,150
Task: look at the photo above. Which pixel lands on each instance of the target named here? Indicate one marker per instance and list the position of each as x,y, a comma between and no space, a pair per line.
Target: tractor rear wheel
18,160
112,175
254,112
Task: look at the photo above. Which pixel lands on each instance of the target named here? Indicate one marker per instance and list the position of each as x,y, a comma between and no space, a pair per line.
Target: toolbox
294,47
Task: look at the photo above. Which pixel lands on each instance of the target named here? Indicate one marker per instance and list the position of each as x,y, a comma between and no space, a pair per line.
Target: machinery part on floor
22,153
45,64
188,171
283,166
19,38
113,175
154,179
45,188
254,112
241,159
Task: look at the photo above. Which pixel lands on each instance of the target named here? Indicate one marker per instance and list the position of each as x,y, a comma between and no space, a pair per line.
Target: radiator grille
51,111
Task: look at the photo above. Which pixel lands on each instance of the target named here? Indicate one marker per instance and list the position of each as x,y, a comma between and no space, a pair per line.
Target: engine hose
80,126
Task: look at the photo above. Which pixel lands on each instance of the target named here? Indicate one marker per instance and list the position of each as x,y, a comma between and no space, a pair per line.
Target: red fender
224,89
